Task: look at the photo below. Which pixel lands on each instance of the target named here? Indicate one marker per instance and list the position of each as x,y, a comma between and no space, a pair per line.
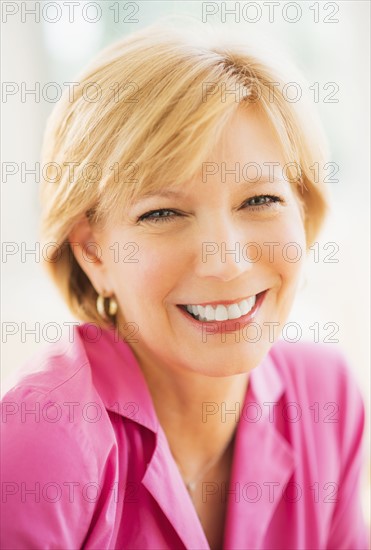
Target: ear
87,250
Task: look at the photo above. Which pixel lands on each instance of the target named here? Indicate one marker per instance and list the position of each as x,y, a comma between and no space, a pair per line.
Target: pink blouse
86,464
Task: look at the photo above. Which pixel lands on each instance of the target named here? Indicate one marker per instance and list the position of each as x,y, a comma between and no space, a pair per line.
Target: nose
224,251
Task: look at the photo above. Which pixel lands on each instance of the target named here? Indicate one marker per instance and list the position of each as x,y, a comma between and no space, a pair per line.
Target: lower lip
229,325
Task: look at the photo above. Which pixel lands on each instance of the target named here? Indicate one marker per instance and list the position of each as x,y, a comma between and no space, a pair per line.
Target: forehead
247,152
250,177
248,136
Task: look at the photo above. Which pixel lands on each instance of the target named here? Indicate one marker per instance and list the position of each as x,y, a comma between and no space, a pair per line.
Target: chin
240,360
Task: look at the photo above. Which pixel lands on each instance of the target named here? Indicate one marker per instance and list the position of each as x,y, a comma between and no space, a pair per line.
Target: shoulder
54,402
54,449
51,366
318,378
317,369
327,433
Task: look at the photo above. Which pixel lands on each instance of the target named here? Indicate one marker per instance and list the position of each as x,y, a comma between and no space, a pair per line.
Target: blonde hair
158,110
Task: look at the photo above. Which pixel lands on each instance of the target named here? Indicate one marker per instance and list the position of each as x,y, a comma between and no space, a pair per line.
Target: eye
160,215
259,202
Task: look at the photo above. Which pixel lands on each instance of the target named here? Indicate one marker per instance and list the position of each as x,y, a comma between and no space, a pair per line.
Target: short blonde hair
157,111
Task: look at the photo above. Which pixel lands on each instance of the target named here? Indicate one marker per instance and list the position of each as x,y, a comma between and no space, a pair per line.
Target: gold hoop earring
101,306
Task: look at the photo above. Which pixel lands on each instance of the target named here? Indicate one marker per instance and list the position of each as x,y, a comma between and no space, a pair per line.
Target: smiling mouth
221,312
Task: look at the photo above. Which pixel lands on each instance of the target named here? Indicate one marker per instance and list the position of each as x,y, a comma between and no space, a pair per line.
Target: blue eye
160,215
259,204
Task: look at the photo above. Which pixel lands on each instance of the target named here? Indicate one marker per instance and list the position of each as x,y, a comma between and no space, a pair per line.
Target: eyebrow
162,193
170,193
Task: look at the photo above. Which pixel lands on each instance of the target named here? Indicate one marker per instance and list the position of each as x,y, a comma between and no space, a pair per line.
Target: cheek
290,259
149,278
284,246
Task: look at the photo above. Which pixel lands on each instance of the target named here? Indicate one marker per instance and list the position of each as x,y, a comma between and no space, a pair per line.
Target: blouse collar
124,390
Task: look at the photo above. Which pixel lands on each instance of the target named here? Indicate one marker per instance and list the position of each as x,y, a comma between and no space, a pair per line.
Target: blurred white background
335,49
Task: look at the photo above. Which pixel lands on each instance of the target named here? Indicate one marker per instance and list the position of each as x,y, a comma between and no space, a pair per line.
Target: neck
199,414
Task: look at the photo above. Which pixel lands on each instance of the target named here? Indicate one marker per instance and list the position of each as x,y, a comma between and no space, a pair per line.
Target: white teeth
210,313
201,311
244,307
194,310
251,301
222,312
234,311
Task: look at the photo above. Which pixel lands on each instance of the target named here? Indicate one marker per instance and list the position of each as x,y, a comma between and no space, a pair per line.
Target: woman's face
208,242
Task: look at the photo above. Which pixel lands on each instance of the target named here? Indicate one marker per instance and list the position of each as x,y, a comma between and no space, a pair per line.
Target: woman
178,184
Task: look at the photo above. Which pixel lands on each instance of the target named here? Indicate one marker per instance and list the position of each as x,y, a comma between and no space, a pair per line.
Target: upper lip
222,302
